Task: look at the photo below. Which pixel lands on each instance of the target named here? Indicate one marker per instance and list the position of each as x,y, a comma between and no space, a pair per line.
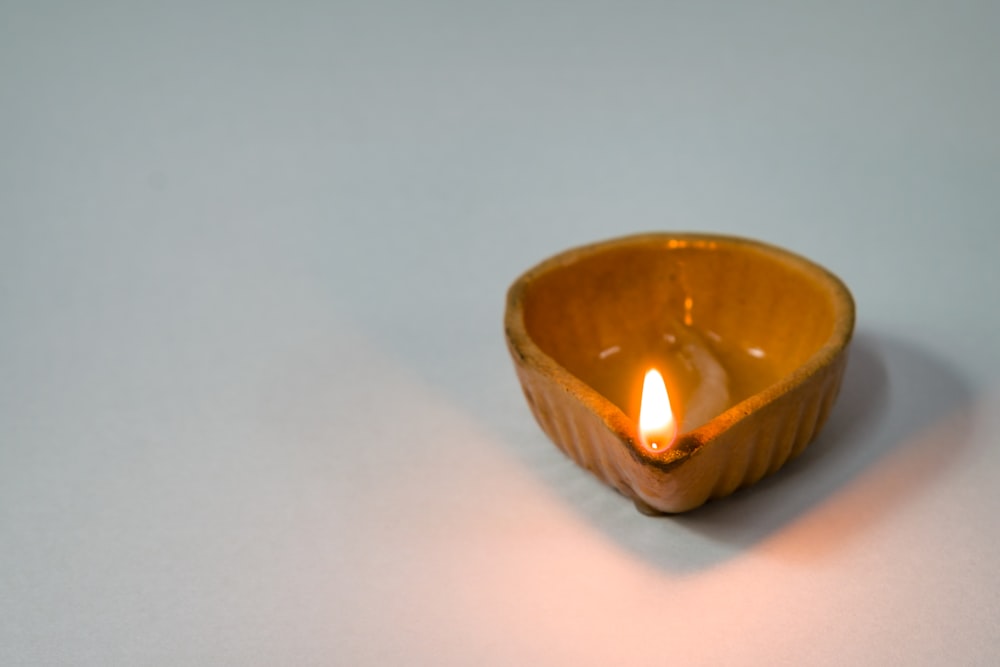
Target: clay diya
679,367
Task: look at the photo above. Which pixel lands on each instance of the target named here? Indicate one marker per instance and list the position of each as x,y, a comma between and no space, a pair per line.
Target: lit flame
657,425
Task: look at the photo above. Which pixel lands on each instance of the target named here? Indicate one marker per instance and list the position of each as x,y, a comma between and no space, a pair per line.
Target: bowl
752,340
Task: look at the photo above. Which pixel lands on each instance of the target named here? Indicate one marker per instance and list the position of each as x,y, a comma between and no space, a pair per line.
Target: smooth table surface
255,404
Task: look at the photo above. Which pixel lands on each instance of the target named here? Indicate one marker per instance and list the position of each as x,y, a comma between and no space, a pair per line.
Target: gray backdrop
255,405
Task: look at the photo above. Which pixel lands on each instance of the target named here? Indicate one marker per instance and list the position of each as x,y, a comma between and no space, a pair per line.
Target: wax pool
705,374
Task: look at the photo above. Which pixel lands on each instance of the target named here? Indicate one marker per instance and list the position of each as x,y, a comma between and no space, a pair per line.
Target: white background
255,403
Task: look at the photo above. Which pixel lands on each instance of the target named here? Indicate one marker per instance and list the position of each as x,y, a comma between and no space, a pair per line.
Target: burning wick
657,426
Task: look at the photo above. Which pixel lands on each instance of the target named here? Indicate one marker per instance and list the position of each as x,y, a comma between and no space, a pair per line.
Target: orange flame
657,425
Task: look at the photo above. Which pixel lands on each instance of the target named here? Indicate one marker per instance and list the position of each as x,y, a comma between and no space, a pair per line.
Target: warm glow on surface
657,425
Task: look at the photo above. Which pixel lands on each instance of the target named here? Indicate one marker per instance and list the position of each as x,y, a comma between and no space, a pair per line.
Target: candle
679,367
